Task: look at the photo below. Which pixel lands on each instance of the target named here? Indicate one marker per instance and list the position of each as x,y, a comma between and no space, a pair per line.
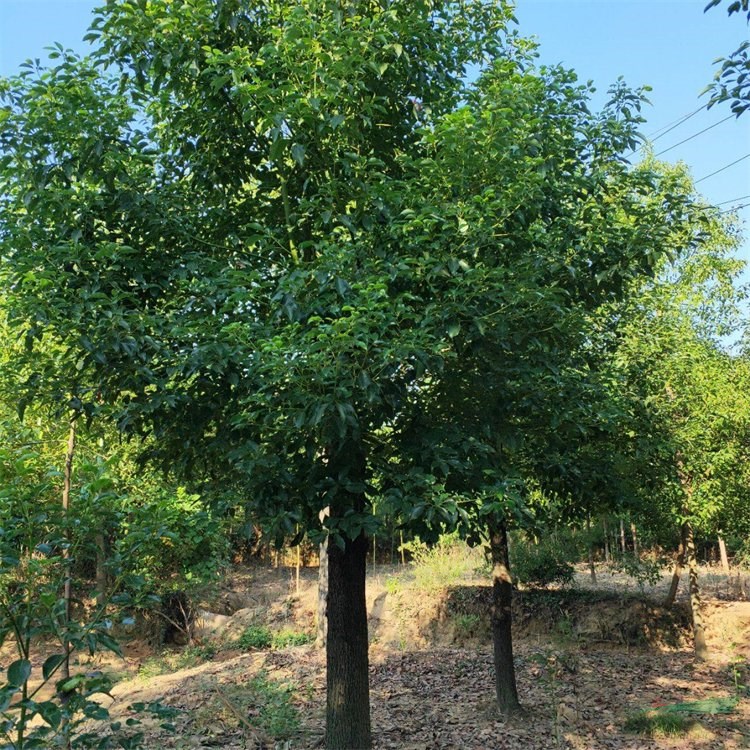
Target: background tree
732,80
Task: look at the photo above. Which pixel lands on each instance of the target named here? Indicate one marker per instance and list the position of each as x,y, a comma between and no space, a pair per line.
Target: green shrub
255,636
642,570
551,561
260,637
446,563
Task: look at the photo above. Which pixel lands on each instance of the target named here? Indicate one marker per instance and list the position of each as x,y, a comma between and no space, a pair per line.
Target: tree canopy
294,245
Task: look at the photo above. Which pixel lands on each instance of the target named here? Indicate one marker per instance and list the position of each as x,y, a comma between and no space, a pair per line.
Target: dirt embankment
586,661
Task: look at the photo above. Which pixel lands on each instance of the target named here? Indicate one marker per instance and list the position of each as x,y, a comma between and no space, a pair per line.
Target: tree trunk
322,595
297,566
347,679
347,664
622,536
592,567
67,585
633,531
322,635
723,554
607,557
679,561
502,638
699,634
101,569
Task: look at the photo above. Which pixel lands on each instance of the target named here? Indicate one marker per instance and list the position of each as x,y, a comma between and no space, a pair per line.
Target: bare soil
586,660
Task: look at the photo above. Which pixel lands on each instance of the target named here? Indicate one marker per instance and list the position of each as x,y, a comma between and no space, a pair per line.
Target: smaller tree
732,80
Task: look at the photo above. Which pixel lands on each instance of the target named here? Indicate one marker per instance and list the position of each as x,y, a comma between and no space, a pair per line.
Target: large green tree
270,236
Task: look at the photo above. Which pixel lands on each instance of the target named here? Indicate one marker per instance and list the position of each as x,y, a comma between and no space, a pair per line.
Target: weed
467,625
659,724
255,636
262,703
393,585
286,638
740,671
447,563
173,661
565,627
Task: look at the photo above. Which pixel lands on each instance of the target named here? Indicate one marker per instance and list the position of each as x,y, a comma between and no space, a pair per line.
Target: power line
732,200
676,124
736,161
732,209
661,132
695,135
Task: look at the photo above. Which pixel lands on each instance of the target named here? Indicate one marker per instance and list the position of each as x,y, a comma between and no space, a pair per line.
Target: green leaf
298,153
51,713
19,672
51,664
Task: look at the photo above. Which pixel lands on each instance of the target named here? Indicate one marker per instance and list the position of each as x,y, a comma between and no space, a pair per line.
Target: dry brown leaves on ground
443,699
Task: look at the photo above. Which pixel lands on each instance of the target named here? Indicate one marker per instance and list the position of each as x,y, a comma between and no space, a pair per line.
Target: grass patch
660,724
262,703
173,661
255,636
467,625
261,637
677,719
285,638
447,563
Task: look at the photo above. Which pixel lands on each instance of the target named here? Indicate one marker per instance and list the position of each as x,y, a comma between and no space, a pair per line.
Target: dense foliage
303,262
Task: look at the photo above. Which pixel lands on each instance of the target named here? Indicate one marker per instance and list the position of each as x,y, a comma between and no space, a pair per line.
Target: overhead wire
732,200
695,135
676,124
732,209
661,132
731,164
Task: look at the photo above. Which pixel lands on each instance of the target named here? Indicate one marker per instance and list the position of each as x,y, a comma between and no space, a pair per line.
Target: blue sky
667,44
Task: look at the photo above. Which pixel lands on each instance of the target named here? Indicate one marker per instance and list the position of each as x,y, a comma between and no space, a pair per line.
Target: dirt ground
431,670
586,660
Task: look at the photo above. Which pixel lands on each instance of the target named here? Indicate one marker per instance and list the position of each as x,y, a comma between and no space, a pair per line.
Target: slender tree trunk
67,585
347,679
607,557
634,532
502,638
723,555
322,595
401,548
679,561
374,552
101,569
699,633
592,567
320,641
622,536
297,566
